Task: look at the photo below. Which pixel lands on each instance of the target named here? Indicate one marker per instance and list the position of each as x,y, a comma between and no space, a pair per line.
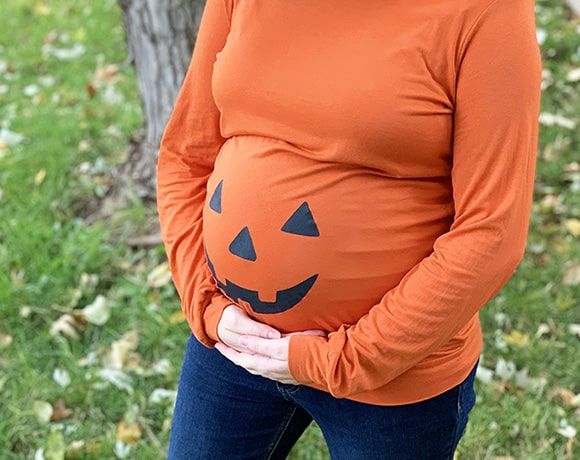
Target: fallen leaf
573,75
543,329
483,374
552,119
161,394
98,312
161,367
505,370
565,394
117,378
573,227
159,276
571,275
128,433
566,429
107,73
39,176
10,137
5,340
64,325
122,450
61,377
517,338
42,411
63,54
60,411
121,351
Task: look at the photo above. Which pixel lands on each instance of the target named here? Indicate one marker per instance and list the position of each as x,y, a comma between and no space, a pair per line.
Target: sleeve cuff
212,315
308,360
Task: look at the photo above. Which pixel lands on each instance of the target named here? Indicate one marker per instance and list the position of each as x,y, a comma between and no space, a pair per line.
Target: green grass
45,247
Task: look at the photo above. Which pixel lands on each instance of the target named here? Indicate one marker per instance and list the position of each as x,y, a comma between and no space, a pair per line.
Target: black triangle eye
216,199
301,222
242,245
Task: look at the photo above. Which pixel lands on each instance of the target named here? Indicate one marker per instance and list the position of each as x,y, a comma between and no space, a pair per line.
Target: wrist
213,314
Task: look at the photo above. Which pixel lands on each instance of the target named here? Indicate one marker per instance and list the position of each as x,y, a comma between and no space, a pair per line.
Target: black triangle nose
242,245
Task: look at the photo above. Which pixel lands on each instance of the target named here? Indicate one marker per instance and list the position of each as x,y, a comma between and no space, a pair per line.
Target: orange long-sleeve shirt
362,168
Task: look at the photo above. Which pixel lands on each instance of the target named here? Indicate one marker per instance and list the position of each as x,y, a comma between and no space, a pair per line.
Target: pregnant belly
302,244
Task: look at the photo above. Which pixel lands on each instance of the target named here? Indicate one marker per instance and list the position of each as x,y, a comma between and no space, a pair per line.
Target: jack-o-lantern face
302,223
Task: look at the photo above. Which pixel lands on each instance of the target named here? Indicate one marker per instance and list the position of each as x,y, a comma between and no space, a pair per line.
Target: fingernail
273,335
244,340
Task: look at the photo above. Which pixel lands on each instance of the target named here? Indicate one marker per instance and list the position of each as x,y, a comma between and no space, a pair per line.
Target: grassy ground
68,103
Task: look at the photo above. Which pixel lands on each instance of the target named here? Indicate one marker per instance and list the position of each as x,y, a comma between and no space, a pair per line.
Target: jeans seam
457,422
294,389
285,425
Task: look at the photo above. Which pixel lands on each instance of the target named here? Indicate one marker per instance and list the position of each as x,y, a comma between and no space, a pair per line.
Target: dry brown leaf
571,275
60,411
543,329
98,312
91,90
80,319
129,433
121,354
565,394
573,227
64,325
5,340
159,276
499,388
108,73
517,338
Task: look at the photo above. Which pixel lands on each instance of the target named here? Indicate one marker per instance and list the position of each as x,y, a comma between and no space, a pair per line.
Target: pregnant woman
342,186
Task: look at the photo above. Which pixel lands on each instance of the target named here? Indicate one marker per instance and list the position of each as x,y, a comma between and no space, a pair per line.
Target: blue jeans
223,411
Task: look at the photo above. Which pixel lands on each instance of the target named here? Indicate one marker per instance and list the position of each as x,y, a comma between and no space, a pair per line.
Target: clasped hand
255,346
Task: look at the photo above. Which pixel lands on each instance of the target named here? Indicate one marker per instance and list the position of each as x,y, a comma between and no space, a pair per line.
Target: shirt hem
421,383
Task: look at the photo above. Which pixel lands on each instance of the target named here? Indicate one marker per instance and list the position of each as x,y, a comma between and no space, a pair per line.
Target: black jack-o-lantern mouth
301,222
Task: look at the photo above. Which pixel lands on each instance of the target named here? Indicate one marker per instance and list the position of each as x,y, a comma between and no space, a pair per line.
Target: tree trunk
160,37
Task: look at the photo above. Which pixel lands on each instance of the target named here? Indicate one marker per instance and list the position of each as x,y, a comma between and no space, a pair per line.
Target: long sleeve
496,109
189,146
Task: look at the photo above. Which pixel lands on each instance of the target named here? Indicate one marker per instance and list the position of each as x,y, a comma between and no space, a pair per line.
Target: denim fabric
223,411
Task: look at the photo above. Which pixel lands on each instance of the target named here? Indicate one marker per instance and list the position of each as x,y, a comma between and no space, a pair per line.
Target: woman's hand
234,323
246,343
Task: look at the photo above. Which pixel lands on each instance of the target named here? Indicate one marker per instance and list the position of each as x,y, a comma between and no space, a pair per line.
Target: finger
277,371
231,353
274,348
314,332
232,339
307,332
253,363
247,326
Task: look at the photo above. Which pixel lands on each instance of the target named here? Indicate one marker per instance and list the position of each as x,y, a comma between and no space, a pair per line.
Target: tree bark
160,37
